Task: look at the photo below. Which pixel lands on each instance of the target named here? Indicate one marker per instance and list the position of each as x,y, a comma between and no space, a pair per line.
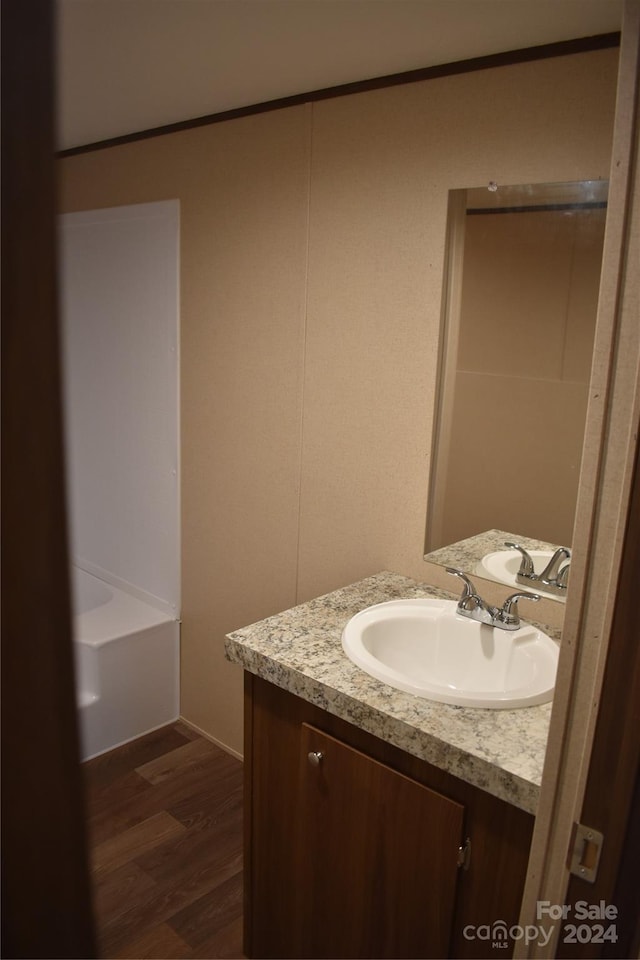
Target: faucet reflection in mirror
487,555
519,308
554,577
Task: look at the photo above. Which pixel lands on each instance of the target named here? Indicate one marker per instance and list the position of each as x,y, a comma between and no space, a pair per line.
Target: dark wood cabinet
352,846
368,842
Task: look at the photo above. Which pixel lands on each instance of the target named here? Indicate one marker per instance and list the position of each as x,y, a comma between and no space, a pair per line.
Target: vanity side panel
247,872
270,840
490,890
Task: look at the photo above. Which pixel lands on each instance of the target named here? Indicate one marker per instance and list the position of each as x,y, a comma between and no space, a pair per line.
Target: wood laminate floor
165,835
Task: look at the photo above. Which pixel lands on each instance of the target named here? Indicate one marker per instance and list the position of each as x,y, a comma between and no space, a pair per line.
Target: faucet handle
526,564
469,590
509,613
511,601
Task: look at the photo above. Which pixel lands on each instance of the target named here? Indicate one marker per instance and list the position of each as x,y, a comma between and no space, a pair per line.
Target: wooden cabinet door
376,861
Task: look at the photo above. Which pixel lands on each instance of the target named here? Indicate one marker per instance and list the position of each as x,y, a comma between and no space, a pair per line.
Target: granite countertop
300,650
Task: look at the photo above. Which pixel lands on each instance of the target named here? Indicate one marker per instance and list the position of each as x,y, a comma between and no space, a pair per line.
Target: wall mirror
520,295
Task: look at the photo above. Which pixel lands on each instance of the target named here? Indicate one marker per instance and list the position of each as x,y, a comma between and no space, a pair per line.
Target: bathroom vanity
377,823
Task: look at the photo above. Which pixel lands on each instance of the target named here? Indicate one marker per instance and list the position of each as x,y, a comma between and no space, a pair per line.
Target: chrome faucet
554,577
472,605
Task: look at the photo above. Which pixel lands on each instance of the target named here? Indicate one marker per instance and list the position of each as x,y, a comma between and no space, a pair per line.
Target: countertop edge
483,774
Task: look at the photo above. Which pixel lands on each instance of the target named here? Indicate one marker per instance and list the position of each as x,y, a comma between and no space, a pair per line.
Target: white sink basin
426,648
503,566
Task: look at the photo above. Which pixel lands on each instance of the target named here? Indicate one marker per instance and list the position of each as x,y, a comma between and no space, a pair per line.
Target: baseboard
207,736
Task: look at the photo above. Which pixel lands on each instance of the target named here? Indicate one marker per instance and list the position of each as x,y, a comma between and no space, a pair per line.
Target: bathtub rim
171,610
122,615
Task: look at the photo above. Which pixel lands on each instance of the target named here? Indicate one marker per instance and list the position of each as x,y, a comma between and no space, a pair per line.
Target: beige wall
312,258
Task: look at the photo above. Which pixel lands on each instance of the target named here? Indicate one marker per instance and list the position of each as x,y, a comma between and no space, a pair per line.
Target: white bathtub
127,664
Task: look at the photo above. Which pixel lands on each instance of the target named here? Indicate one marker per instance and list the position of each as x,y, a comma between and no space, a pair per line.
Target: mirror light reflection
520,302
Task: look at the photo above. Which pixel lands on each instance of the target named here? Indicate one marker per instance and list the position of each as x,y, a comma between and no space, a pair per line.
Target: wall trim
211,738
545,51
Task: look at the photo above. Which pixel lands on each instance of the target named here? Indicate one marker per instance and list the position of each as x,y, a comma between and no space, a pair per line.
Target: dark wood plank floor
165,835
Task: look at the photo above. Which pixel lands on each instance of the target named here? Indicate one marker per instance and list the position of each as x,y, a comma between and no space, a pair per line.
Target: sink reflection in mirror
504,566
424,647
486,555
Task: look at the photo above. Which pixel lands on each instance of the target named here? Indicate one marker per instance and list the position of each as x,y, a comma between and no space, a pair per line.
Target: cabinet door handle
315,757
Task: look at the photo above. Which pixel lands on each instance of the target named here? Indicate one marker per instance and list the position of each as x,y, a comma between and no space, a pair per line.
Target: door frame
602,559
46,896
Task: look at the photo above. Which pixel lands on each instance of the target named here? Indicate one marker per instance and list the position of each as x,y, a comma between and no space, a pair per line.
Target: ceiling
130,65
